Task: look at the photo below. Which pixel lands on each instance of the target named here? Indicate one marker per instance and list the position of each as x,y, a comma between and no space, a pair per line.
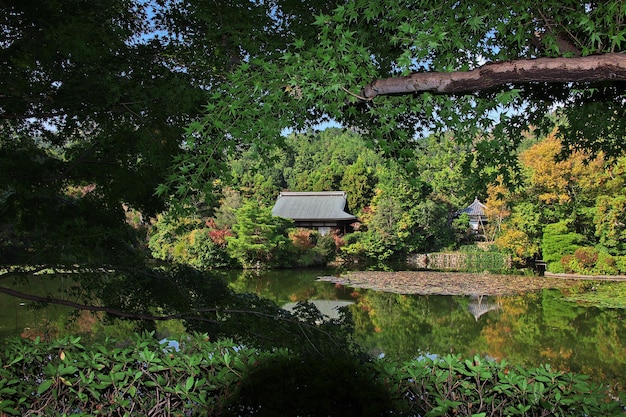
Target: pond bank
587,277
447,283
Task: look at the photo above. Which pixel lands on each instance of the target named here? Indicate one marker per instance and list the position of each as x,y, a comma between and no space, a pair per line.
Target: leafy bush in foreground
144,377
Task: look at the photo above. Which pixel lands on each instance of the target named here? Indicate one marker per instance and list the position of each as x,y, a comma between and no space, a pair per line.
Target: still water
526,329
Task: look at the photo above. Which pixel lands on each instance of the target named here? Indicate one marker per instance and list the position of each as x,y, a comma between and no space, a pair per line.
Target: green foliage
359,180
326,248
451,385
557,242
189,241
260,238
370,247
142,376
610,222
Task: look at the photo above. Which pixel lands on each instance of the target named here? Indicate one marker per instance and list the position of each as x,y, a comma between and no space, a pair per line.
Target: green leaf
15,360
44,386
299,43
189,383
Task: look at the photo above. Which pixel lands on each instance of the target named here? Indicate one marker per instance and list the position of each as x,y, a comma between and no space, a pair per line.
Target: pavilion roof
475,209
316,205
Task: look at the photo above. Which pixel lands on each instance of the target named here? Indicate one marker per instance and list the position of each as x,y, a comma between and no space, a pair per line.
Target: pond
532,328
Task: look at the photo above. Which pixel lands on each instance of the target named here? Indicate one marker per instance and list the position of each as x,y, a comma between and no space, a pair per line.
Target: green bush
620,263
487,261
144,377
558,241
606,264
453,386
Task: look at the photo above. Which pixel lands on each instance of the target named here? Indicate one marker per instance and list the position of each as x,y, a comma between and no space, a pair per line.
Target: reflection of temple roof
479,306
328,308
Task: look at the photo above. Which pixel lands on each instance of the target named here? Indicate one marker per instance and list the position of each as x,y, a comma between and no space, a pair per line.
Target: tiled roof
303,206
475,209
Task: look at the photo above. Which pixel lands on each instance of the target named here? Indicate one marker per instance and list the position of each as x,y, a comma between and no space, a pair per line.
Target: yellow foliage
497,208
517,242
555,181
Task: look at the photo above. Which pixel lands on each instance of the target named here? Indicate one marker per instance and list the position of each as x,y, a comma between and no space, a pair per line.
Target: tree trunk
608,67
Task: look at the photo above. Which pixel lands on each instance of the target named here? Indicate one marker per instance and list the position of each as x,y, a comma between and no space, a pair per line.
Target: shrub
557,242
326,248
303,238
620,264
200,377
584,260
454,386
586,256
564,265
605,265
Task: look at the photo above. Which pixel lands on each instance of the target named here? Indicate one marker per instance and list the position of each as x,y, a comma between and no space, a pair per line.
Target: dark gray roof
317,205
475,209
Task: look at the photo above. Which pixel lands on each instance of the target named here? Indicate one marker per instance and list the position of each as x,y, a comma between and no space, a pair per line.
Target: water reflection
526,329
329,308
480,305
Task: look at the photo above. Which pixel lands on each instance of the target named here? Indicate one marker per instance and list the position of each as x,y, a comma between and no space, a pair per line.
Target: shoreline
447,283
616,278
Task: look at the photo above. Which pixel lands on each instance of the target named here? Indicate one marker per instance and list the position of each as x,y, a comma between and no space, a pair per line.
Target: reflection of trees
527,330
545,328
596,337
200,301
285,286
511,336
406,325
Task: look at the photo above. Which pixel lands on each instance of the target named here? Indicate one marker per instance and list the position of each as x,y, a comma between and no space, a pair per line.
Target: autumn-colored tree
555,187
562,181
496,208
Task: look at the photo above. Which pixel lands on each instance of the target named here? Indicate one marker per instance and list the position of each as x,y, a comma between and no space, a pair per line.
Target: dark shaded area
295,386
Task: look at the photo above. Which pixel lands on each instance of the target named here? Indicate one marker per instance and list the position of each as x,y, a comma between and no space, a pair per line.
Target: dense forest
566,208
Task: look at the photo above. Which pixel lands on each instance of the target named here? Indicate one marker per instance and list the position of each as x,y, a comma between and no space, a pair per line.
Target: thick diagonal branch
596,68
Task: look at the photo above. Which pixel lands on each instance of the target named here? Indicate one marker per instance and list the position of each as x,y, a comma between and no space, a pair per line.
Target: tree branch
608,67
112,311
139,316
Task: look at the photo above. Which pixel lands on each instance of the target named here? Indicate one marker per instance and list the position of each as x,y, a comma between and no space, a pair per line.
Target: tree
484,71
610,222
89,100
259,237
358,180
